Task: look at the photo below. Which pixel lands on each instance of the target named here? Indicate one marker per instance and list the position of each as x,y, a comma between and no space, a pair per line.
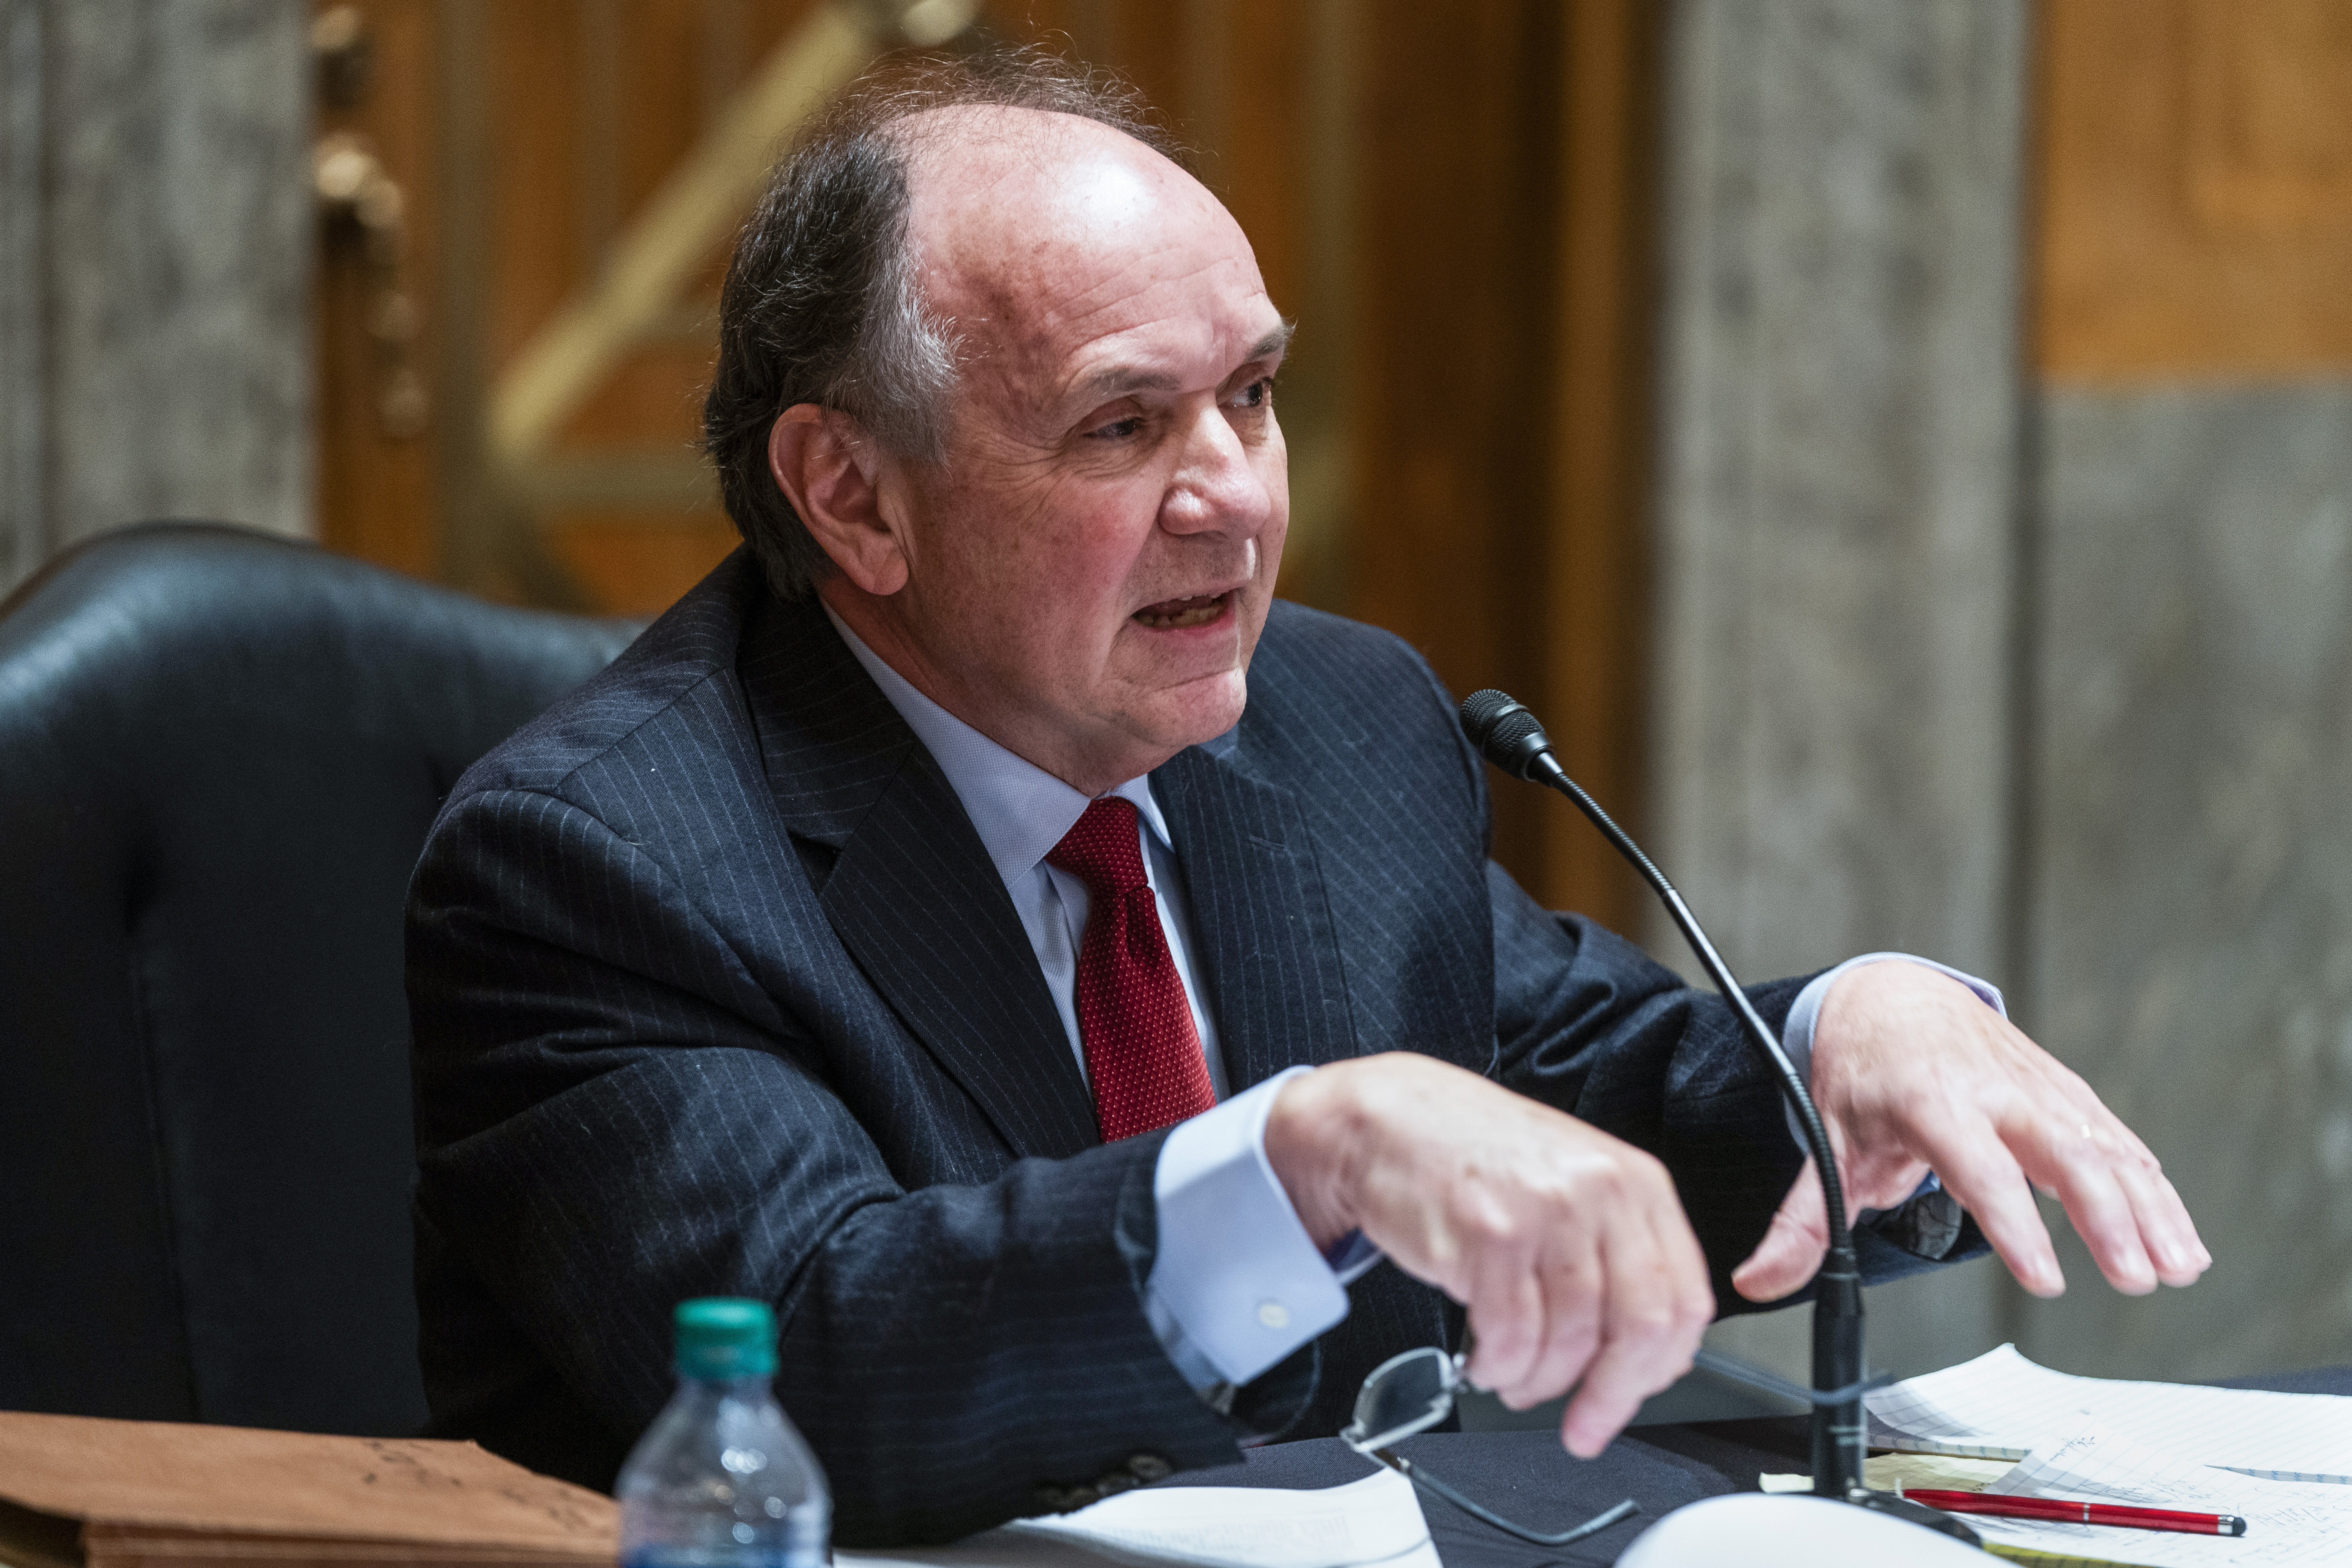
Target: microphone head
1511,737
1479,711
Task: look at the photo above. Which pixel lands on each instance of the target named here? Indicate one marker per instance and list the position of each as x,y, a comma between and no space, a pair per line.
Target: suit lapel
1260,918
912,894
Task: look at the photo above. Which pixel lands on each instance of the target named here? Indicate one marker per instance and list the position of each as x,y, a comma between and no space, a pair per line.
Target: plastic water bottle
720,1479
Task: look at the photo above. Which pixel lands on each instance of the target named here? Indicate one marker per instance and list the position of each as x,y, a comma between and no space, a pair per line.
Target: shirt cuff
1797,1034
1237,1284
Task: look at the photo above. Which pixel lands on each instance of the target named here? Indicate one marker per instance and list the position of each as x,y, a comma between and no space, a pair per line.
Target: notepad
2001,1406
2287,1522
1374,1521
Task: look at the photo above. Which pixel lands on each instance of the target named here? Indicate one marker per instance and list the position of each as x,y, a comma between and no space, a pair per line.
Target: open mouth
1174,614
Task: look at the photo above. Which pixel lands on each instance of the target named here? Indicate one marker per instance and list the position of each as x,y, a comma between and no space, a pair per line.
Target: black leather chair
219,753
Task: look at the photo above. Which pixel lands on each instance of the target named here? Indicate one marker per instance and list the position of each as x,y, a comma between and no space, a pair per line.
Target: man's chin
1201,711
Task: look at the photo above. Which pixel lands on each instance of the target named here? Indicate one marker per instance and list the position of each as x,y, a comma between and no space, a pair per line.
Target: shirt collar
1019,809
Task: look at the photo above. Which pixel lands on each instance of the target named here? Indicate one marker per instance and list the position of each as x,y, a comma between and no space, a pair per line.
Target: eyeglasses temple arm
1428,1482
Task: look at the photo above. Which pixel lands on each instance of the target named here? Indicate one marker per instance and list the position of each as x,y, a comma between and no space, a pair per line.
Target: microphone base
1840,1431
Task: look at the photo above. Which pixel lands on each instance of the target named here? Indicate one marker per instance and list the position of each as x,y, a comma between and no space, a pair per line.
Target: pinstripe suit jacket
716,991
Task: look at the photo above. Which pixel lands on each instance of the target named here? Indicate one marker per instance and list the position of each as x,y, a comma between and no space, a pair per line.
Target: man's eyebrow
1118,380
1274,342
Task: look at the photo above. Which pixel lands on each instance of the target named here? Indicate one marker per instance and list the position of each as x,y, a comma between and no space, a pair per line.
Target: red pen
2061,1511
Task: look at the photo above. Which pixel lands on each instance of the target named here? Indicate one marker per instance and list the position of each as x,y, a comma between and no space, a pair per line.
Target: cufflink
1051,1498
1140,1469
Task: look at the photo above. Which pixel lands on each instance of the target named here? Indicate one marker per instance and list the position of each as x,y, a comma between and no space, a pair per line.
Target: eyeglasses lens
1405,1395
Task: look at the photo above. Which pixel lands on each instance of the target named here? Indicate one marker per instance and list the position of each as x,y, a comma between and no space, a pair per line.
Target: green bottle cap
726,1337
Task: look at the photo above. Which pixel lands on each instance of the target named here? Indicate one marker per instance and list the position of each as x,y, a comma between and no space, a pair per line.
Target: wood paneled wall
2195,189
1452,201
379,492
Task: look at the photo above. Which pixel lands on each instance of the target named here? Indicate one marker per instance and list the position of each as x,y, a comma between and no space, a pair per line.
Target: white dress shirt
1237,1284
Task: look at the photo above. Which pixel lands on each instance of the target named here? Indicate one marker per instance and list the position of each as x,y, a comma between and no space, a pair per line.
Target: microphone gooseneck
1514,739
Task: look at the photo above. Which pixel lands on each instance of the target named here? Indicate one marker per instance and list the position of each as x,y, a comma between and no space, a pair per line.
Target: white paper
1747,1529
2001,1406
1375,1521
2287,1522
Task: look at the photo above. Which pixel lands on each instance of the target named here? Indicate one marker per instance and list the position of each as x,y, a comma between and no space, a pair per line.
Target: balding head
822,304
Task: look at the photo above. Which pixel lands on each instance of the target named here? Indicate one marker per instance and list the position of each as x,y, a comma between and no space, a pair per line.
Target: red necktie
1142,1054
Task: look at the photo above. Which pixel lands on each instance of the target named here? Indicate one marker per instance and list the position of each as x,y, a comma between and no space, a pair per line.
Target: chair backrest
219,754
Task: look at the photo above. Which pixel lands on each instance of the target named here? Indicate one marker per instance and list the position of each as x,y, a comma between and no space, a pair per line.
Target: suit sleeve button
1149,1468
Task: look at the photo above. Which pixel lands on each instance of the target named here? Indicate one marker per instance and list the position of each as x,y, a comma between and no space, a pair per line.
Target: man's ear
828,473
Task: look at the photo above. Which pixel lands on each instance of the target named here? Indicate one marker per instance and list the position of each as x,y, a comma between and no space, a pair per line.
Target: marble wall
2189,901
155,241
2054,684
1839,450
1836,516
24,528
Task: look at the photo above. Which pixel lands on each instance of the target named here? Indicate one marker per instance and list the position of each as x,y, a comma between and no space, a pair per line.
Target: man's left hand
1912,1072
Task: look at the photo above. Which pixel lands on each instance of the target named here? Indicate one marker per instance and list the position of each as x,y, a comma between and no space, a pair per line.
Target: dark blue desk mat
1527,1477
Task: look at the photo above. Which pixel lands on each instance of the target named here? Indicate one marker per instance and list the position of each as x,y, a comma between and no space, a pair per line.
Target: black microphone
1514,739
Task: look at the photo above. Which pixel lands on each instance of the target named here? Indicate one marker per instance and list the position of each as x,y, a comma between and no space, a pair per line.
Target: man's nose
1217,486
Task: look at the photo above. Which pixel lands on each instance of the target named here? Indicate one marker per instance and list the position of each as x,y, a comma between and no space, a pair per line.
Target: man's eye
1117,429
1257,394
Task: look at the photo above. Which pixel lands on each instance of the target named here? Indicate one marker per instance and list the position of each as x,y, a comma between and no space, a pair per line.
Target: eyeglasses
1413,1391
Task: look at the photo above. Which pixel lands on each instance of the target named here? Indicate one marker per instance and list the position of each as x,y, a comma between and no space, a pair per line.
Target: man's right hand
1569,1247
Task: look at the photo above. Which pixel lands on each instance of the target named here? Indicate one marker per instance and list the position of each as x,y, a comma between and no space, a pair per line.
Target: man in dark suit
1070,985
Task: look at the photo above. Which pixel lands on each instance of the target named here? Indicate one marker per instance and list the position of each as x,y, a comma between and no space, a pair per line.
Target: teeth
1190,612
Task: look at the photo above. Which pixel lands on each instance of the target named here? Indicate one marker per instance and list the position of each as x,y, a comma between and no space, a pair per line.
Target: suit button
1149,1468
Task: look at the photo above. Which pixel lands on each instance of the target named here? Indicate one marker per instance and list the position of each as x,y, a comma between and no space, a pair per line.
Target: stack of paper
2281,1461
146,1494
2001,1406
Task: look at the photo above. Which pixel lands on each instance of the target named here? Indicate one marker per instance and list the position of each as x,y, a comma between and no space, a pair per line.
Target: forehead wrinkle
1019,320
1112,292
1010,282
1116,379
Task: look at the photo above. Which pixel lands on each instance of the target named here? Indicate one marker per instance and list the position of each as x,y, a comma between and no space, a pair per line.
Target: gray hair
822,304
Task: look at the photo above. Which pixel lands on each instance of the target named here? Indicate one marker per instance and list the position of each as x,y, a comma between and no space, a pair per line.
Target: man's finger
1646,1343
2173,1245
2073,1159
2170,1237
1507,1321
1572,1291
1978,1169
1793,1244
1688,1260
